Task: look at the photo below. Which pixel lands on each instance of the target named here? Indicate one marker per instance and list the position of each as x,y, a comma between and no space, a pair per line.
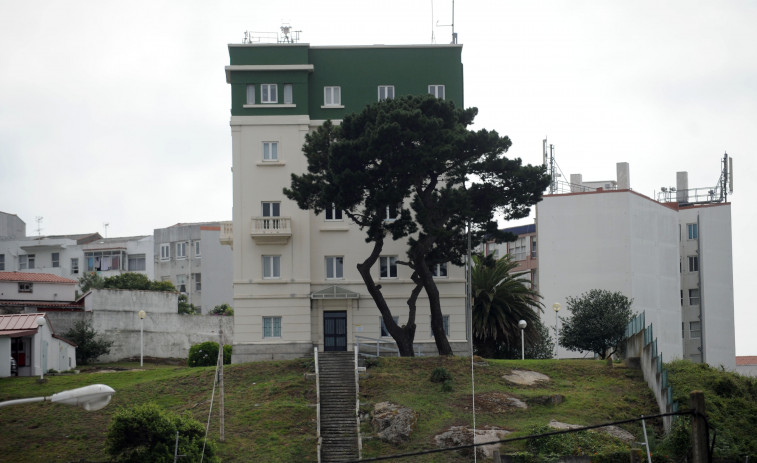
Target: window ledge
342,228
270,105
332,106
271,163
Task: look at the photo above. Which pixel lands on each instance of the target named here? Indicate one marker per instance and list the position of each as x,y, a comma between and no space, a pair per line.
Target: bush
148,433
223,309
88,345
185,308
573,443
206,354
440,375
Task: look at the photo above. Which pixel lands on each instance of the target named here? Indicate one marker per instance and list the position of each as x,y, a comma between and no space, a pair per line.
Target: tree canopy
414,161
597,322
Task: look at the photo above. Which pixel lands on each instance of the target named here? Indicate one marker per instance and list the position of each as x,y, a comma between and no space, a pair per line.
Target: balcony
271,230
227,234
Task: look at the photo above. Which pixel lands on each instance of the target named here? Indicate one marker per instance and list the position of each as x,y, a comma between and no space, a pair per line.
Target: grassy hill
269,405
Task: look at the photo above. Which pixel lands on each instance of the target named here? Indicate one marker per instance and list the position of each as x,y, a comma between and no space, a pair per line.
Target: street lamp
557,308
141,315
90,398
522,325
41,322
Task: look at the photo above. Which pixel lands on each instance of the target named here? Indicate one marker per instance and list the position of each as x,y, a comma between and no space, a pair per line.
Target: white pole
220,381
522,346
141,315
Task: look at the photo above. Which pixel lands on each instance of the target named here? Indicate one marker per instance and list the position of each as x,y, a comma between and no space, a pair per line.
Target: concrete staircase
339,434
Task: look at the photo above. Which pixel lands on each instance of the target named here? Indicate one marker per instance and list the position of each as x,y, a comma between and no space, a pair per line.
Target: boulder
525,377
457,436
393,423
556,399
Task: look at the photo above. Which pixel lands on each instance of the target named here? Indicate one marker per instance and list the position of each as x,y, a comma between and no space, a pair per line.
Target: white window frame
74,265
693,263
55,259
270,151
271,267
250,98
197,248
695,330
692,230
181,283
26,261
2,262
439,270
385,92
269,93
445,324
437,90
136,259
165,251
388,213
270,326
333,214
383,332
332,96
181,250
335,267
288,89
274,209
198,281
388,267
694,296
25,287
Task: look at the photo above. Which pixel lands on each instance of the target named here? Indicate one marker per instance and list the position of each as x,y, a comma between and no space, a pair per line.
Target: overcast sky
118,112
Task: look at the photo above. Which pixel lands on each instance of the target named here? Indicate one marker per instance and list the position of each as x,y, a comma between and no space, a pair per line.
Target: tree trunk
404,335
437,319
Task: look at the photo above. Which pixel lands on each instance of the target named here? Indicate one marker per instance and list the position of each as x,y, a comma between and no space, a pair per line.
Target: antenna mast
38,219
454,34
549,162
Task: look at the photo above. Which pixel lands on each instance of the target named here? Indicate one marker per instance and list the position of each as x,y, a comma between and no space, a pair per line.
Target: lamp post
90,398
522,325
556,306
141,315
40,323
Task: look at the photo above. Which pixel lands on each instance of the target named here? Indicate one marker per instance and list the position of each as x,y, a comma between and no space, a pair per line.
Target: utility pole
220,377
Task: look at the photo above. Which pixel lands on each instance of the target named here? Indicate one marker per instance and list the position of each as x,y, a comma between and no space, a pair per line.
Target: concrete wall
11,226
52,292
747,370
5,354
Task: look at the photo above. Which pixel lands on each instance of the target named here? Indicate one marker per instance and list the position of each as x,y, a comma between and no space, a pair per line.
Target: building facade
295,279
190,255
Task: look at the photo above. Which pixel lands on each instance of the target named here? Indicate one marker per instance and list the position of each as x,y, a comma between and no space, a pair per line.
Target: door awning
334,292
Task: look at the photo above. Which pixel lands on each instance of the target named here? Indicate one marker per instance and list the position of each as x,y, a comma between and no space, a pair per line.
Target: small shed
31,341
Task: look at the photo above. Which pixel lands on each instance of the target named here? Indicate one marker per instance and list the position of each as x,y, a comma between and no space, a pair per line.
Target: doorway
335,331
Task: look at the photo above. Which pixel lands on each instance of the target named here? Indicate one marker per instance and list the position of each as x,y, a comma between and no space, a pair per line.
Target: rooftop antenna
454,34
106,225
39,219
549,162
433,37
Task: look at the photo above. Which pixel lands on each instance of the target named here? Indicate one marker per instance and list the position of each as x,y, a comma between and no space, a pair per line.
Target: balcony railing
271,230
227,233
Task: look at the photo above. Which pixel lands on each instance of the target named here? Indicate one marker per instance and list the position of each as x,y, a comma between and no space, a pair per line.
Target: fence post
496,457
699,451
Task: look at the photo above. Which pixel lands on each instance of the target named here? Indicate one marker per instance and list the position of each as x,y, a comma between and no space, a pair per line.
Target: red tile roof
746,360
24,321
35,277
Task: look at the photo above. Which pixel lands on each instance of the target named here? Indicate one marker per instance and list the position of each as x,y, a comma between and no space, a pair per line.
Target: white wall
60,292
5,355
617,241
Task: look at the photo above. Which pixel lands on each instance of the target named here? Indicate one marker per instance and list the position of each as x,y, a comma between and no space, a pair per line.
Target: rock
456,436
614,431
556,399
498,402
525,377
393,423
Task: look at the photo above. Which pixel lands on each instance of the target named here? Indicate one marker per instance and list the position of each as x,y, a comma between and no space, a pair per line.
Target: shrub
440,375
206,354
148,433
89,345
223,309
573,443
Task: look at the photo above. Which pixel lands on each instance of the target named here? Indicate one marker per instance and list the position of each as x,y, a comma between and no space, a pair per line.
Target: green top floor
329,82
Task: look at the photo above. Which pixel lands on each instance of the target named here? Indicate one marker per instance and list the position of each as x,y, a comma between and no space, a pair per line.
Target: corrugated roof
35,277
23,321
746,360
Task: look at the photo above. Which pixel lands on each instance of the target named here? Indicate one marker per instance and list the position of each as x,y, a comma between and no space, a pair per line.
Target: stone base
242,353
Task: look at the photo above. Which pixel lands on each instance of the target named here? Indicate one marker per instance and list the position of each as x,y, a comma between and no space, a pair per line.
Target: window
333,213
695,330
287,93
388,266
2,261
197,249
181,250
392,213
250,94
56,259
137,263
518,249
681,298
384,332
271,267
105,260
269,93
439,270
332,96
445,322
694,296
436,90
271,209
165,251
271,327
181,283
270,151
26,261
385,92
533,247
75,265
693,263
693,230
25,287
334,267
198,281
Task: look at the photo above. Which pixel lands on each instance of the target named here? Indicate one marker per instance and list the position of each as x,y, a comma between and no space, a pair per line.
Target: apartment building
295,279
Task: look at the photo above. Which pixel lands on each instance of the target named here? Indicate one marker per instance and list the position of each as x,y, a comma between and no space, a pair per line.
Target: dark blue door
335,330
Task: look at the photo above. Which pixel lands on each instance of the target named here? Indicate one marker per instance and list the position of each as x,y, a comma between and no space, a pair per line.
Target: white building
295,279
672,258
191,256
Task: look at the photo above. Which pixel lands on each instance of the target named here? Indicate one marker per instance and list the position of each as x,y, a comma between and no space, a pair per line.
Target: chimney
623,176
576,183
682,187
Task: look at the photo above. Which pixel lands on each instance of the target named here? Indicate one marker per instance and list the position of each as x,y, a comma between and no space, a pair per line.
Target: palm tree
500,300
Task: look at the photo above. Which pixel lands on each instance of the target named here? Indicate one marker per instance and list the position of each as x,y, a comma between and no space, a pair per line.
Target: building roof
35,278
521,229
19,324
746,360
82,238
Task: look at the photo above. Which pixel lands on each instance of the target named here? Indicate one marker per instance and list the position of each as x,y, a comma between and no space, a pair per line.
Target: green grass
269,412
